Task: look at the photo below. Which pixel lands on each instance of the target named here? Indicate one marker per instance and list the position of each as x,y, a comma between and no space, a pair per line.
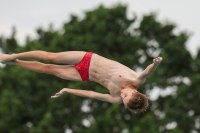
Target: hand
157,60
59,93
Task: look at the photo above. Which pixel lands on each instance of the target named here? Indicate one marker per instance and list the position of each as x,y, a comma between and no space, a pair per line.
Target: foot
157,60
5,57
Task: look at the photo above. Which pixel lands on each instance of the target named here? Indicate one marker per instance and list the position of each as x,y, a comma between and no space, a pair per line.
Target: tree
25,96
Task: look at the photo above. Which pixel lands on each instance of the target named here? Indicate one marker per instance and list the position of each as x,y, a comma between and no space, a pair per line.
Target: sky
28,15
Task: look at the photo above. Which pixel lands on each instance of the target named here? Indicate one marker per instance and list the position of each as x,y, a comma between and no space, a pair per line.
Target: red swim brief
83,66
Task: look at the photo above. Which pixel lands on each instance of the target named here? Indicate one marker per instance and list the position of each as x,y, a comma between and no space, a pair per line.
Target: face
126,94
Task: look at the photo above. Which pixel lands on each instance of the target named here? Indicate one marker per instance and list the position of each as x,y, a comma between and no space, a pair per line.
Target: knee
49,69
51,57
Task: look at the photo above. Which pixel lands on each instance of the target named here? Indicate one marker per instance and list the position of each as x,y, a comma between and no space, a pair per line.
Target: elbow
147,72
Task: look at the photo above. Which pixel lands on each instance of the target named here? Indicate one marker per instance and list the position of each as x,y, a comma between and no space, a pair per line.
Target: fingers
53,96
56,95
158,59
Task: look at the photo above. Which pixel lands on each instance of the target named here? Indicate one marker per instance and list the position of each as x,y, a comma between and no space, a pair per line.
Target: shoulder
138,81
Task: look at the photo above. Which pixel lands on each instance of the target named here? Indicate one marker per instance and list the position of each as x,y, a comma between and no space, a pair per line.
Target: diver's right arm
89,94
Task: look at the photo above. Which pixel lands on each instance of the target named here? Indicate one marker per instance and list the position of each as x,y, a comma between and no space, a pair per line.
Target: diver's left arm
150,68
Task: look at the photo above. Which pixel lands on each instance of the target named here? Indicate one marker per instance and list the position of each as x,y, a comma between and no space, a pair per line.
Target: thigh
69,57
67,72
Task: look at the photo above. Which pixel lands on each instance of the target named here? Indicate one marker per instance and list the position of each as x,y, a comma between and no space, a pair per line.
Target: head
134,101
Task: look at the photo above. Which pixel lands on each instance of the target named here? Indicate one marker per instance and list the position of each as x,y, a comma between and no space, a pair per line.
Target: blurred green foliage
25,103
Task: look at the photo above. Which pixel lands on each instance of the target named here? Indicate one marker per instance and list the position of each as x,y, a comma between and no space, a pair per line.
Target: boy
121,81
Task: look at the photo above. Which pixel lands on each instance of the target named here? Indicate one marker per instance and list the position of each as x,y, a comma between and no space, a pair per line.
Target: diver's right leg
67,72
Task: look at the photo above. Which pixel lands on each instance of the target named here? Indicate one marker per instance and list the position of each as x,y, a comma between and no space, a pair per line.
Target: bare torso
112,75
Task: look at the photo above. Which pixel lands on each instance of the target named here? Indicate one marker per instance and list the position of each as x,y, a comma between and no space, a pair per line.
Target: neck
131,87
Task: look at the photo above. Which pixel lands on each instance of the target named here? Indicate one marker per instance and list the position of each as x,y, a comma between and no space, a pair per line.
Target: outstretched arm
150,68
89,94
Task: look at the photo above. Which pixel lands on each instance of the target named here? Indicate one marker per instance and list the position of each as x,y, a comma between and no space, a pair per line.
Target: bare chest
115,82
112,75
